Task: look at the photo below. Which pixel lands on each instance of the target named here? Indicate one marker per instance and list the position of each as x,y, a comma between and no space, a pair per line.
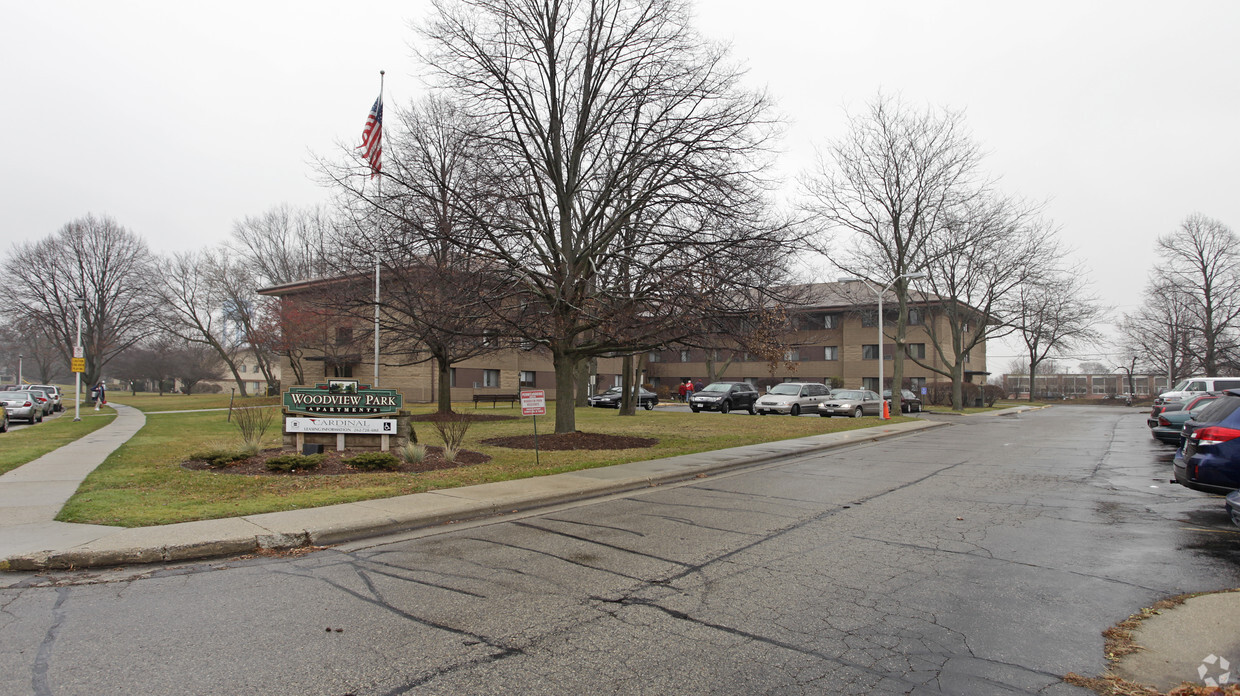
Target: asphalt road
984,558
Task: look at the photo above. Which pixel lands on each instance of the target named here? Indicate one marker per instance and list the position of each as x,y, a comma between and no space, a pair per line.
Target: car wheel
761,413
649,405
918,409
795,410
751,409
725,407
695,409
858,413
824,415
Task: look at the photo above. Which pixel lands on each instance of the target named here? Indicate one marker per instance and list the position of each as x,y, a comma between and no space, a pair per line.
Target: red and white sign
534,402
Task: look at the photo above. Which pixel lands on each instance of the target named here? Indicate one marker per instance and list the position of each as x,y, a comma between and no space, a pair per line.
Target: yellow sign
78,364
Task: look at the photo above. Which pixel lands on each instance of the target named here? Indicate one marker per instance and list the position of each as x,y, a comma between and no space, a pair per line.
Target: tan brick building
833,337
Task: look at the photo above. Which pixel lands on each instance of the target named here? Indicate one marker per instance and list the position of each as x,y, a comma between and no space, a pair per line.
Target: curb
334,524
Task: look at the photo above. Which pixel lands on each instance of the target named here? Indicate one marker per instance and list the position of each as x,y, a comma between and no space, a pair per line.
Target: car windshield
717,387
790,389
849,395
1181,386
613,390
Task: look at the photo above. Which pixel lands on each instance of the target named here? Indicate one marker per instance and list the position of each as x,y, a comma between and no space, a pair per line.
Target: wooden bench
495,399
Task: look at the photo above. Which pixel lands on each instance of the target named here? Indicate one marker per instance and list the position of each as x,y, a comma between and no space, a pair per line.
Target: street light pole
19,371
77,350
880,293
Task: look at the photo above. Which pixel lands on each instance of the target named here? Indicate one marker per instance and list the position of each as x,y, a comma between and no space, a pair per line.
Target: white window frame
490,379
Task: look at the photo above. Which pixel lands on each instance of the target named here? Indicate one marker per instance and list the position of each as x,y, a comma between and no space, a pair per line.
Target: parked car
909,402
1186,405
1171,422
793,398
724,397
1209,457
1233,507
851,402
1194,386
611,399
4,418
54,392
23,405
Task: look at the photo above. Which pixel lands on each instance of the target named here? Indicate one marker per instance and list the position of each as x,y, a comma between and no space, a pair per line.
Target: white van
1196,385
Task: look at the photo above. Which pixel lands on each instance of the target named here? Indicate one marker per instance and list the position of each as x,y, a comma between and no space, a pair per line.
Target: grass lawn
151,401
25,445
143,482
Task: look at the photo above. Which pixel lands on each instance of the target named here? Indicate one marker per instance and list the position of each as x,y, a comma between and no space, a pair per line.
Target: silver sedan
851,402
23,405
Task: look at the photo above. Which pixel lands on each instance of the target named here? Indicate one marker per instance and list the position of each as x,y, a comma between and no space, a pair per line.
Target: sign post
534,403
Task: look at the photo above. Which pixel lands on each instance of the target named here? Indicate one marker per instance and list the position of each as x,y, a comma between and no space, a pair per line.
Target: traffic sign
534,402
79,352
77,364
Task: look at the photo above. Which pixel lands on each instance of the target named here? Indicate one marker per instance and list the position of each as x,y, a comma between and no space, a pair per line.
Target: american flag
372,138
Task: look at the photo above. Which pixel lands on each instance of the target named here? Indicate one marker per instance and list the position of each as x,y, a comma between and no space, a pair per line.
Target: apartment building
831,337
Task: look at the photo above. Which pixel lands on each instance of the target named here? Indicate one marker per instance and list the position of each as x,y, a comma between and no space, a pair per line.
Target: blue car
1209,456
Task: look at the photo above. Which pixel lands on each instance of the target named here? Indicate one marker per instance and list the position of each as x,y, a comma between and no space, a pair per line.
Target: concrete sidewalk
30,539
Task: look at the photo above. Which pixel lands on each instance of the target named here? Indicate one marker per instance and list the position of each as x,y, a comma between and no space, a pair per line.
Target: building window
617,381
490,378
527,344
915,350
964,328
451,376
869,351
831,353
792,355
966,357
870,383
869,317
343,371
527,378
241,368
655,356
488,338
916,384
829,321
344,335
915,318
684,356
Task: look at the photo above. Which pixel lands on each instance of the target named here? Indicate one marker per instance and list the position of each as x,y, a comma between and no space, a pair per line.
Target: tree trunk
445,385
957,387
582,377
628,404
565,383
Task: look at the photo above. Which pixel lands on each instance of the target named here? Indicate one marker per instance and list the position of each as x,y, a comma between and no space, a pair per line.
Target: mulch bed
334,466
573,441
471,417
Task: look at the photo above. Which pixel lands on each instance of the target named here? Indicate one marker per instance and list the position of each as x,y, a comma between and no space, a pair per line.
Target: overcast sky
178,119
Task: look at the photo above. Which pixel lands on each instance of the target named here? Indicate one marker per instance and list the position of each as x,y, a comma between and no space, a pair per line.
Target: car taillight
27,405
1215,435
1162,420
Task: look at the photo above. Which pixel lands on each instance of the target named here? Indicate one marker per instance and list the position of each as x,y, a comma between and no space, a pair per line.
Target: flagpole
376,379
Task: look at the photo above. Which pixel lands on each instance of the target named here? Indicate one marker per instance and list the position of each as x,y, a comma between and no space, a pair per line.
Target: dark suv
724,397
1209,455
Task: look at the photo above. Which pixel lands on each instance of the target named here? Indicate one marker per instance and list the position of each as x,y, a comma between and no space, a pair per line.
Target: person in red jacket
683,387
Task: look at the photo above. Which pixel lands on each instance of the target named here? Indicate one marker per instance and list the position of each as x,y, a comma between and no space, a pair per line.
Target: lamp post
19,371
77,352
880,293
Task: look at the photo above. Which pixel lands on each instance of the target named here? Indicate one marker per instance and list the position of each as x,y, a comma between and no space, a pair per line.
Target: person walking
682,390
689,389
100,395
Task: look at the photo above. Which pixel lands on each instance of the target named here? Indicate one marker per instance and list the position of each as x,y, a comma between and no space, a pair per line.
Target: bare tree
985,250
284,245
104,265
195,308
1055,314
890,183
1159,334
1198,263
594,118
